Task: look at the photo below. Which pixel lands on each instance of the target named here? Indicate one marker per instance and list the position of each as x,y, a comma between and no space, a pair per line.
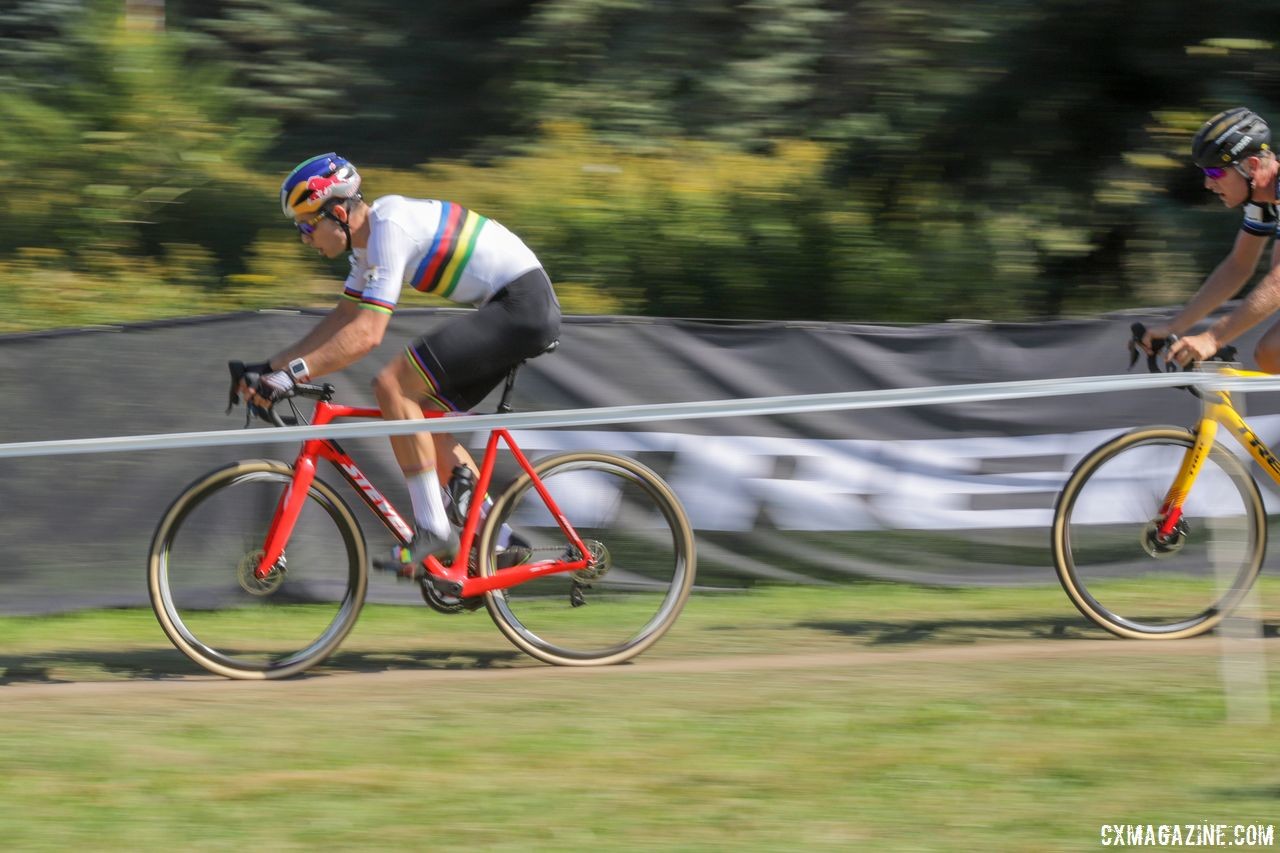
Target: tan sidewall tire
171,521
682,533
1089,465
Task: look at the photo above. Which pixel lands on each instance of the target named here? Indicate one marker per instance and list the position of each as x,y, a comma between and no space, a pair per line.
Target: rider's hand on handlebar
243,376
1153,339
1191,348
1179,352
269,388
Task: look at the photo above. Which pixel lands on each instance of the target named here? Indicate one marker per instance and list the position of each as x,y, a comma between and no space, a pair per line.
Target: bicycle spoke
1118,569
643,565
212,604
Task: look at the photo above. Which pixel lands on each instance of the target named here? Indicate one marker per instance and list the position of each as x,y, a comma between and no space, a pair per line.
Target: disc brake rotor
1160,548
599,561
246,573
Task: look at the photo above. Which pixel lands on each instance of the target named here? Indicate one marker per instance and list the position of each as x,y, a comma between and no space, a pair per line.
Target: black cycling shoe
518,551
406,560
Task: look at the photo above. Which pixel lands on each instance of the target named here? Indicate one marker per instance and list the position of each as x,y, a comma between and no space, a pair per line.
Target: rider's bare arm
1224,282
1260,304
346,334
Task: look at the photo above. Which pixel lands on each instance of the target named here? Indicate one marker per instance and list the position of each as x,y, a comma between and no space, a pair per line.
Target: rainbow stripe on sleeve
380,305
451,248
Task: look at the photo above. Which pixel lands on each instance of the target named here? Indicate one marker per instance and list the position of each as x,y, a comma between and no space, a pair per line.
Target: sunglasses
308,227
1215,173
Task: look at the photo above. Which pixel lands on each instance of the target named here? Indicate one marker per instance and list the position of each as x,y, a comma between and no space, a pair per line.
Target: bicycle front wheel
1121,574
642,552
203,586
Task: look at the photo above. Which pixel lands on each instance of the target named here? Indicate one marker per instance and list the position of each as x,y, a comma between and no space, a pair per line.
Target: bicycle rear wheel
1109,560
643,553
202,584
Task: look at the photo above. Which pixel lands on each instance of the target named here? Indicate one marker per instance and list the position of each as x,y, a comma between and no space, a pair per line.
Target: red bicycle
259,569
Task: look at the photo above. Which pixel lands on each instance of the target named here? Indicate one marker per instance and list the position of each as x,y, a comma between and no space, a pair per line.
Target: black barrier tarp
956,494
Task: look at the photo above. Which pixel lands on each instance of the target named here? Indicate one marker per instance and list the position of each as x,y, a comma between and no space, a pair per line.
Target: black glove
274,385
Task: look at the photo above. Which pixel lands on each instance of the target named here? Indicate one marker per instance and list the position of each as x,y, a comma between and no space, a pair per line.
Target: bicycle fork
1192,461
286,513
1218,410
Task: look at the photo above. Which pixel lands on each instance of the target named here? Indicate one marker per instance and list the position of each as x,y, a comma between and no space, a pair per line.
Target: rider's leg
1267,352
449,455
399,388
456,364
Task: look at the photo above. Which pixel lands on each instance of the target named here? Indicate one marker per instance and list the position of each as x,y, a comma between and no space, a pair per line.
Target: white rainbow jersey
434,246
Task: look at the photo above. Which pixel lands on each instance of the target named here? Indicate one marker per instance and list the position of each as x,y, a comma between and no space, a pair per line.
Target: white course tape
842,401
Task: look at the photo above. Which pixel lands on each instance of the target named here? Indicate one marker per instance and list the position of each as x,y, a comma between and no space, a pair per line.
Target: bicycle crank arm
444,586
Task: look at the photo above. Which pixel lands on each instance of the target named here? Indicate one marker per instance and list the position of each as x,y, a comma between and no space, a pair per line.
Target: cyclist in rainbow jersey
436,247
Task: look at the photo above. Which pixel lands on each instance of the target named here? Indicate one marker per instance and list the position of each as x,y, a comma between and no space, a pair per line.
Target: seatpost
504,407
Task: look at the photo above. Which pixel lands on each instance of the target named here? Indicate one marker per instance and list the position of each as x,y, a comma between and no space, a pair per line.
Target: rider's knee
386,383
1267,355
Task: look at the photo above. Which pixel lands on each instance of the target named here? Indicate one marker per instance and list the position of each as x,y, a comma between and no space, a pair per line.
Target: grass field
868,716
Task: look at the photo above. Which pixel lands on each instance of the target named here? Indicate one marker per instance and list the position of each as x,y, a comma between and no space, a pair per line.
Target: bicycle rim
645,561
202,582
1117,571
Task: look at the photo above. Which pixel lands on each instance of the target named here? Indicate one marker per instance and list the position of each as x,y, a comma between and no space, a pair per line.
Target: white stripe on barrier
842,401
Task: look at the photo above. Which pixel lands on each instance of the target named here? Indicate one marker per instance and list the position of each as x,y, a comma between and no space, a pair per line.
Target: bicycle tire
1141,588
635,524
209,604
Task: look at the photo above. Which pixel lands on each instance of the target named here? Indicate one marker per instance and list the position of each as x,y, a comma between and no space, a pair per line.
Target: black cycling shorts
465,359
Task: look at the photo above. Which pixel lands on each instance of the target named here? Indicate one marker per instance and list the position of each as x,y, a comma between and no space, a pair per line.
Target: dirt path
1243,650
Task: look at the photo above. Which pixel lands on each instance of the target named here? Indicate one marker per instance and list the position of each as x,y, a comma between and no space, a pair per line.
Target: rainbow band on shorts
450,251
433,385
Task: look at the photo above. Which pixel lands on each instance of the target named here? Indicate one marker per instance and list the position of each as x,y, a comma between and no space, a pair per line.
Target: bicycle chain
595,569
581,578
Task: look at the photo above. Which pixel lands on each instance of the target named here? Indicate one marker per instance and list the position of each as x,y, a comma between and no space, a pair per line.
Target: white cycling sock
428,508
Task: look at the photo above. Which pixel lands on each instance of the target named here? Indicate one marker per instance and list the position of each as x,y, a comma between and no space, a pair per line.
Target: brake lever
1157,344
237,373
1169,366
1135,347
1153,365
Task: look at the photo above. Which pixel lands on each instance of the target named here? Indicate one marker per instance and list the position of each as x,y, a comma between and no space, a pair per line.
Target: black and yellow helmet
1229,137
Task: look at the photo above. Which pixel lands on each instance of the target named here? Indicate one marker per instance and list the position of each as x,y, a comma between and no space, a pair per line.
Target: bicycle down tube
290,504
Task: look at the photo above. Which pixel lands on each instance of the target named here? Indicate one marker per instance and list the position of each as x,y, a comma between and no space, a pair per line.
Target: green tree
725,69
391,81
133,141
35,53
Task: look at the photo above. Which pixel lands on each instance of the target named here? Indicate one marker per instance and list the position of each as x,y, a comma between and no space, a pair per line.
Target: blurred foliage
874,160
387,81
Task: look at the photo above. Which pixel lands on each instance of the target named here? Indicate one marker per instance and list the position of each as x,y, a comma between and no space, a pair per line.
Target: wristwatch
298,370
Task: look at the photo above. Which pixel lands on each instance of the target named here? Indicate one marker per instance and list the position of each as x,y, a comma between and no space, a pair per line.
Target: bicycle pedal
399,570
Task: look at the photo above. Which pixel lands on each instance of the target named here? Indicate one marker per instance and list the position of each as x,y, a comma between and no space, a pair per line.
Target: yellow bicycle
1160,532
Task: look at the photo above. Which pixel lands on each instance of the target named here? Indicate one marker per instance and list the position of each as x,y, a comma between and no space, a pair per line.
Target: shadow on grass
64,667
886,633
